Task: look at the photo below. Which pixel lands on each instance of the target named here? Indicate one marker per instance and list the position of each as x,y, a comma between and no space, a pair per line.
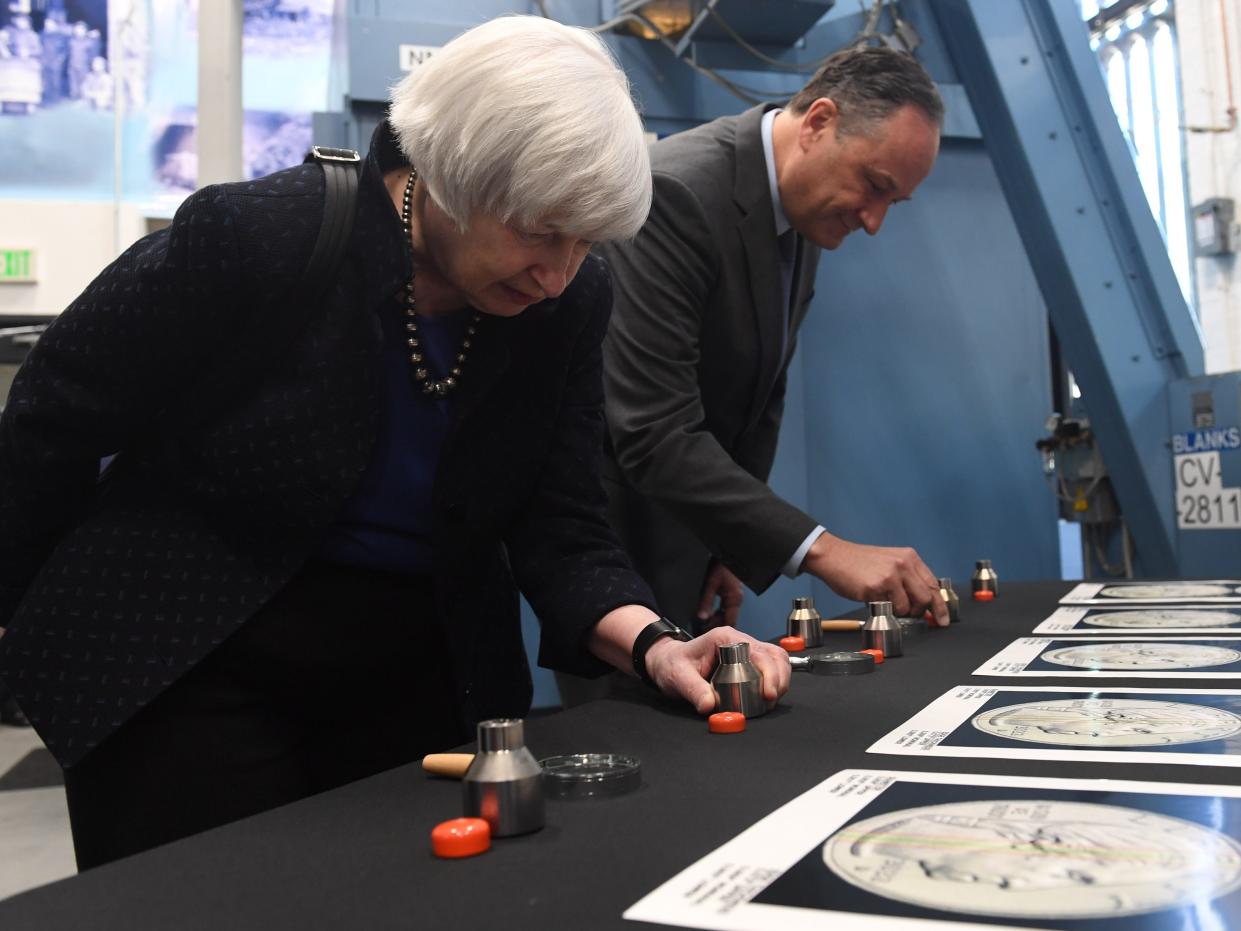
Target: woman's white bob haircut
531,122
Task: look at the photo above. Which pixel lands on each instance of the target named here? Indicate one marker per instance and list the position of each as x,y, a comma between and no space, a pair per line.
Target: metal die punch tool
737,682
504,784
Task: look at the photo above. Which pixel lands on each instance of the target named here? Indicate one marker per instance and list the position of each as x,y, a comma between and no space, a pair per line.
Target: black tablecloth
359,857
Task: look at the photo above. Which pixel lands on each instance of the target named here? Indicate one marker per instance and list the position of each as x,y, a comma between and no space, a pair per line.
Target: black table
359,856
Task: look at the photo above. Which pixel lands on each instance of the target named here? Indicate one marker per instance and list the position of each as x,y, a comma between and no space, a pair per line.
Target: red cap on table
726,722
461,837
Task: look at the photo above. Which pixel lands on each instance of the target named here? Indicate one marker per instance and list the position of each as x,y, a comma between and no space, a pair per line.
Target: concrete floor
35,845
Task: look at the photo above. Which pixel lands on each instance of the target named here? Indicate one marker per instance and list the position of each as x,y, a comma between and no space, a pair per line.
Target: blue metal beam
1067,173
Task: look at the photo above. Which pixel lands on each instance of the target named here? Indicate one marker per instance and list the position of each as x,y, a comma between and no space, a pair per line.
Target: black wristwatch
647,637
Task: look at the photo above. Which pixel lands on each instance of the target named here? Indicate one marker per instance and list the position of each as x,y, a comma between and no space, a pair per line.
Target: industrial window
1136,45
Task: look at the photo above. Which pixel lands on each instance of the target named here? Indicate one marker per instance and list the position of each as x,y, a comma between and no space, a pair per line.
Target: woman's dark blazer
237,450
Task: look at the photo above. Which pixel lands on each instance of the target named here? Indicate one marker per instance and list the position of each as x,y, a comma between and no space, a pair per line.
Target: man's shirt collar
769,156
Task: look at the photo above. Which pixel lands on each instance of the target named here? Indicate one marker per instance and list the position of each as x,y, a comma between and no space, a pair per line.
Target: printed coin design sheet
1131,657
1126,655
1128,620
1215,591
1018,852
872,849
1189,726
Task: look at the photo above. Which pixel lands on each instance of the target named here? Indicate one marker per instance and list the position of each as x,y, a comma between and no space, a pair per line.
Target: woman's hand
683,669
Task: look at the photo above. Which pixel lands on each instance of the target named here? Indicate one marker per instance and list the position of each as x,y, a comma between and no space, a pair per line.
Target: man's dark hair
868,84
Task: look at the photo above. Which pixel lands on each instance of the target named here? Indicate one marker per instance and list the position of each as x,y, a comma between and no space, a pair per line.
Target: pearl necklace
439,387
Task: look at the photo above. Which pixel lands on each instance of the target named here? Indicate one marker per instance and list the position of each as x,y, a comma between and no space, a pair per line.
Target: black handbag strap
281,325
340,206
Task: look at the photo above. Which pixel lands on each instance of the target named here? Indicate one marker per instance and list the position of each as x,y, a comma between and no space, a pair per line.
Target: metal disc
911,627
841,664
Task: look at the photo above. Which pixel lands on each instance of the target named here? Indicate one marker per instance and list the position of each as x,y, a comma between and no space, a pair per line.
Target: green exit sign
16,265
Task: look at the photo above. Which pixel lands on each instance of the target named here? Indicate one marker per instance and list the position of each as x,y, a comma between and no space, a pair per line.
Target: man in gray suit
708,301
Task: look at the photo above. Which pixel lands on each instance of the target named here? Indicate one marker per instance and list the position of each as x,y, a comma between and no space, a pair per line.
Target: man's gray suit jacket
695,365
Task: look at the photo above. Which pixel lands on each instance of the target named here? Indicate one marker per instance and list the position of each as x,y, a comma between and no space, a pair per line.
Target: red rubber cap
928,617
726,722
793,644
461,837
877,654
984,595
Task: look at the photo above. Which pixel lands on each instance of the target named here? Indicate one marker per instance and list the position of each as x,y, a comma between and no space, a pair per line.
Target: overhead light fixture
671,17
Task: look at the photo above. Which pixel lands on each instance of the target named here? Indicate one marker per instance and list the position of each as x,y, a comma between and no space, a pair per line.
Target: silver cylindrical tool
504,784
949,595
985,579
805,622
737,682
881,630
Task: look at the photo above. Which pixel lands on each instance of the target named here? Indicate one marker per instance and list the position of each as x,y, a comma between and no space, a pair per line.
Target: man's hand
877,573
683,669
727,587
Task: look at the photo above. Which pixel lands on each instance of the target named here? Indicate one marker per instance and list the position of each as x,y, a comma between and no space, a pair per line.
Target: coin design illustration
1035,859
1108,722
1164,617
1139,657
1167,590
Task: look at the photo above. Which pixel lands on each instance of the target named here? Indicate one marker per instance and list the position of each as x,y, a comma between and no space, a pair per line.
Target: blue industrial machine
1168,438
936,352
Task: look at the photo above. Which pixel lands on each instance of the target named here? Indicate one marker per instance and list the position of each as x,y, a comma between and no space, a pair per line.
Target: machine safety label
1202,501
1202,441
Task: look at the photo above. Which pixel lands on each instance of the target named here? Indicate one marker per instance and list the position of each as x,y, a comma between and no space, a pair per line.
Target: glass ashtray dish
590,775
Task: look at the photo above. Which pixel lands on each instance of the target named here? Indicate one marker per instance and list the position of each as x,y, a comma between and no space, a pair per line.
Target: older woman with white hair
303,564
